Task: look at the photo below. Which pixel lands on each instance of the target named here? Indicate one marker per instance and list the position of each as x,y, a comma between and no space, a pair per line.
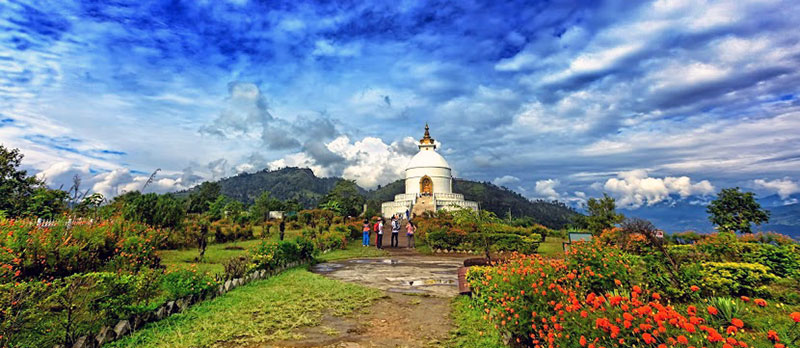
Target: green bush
184,282
735,278
442,238
236,267
332,240
782,260
514,242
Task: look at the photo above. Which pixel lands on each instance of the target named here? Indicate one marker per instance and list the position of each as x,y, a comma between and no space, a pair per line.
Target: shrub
443,238
332,240
182,283
29,251
236,267
264,256
783,260
735,278
525,244
288,252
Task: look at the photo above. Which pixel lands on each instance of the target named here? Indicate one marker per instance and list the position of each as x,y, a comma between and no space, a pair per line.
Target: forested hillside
302,185
498,200
298,184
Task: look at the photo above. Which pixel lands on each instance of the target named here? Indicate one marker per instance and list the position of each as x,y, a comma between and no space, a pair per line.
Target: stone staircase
423,204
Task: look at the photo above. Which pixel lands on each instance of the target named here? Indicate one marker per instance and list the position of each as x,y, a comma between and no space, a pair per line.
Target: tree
153,209
345,194
46,203
734,210
481,222
202,197
16,187
265,203
602,214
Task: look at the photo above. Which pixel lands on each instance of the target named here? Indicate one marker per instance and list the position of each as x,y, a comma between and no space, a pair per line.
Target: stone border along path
124,327
415,313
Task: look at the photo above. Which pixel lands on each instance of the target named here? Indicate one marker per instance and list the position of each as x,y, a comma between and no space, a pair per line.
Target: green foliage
184,282
728,308
153,209
46,203
782,260
735,278
265,203
202,196
31,251
344,199
602,214
16,187
734,210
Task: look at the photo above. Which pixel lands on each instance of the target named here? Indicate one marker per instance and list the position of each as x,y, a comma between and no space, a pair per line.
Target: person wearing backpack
365,232
379,233
395,241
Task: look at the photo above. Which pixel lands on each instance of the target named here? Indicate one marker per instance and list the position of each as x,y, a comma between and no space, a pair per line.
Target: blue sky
647,101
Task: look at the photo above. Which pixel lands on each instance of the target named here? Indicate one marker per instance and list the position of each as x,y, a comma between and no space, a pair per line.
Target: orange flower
795,316
760,302
737,322
694,288
745,299
712,310
656,296
773,336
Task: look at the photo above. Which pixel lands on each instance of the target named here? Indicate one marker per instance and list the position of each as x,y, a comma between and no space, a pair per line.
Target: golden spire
427,138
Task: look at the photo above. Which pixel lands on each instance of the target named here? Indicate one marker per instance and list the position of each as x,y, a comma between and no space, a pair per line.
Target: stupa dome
427,159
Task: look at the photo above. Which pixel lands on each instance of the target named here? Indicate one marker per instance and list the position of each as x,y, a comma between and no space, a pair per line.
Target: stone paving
407,274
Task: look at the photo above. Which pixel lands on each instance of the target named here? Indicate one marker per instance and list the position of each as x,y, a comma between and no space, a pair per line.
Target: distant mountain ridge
306,188
682,215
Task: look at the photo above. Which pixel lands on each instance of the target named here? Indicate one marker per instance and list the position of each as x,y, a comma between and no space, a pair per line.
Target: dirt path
414,313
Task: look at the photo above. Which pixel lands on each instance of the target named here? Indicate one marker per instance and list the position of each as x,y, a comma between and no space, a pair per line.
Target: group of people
396,225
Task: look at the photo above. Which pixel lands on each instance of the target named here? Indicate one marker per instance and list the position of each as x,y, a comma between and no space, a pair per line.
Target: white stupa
429,184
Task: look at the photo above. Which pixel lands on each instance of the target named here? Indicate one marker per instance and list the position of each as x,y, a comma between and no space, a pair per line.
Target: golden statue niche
426,186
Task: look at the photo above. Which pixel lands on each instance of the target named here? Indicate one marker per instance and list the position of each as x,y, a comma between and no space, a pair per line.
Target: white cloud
783,187
505,180
635,188
368,161
547,188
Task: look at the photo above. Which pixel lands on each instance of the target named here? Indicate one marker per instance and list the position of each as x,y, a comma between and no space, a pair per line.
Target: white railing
449,196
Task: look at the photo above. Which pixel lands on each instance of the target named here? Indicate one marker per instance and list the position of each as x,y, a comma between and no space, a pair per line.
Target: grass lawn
261,311
354,251
216,254
552,248
471,331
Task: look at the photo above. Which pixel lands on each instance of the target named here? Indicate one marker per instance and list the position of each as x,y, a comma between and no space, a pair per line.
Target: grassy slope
471,331
261,311
553,247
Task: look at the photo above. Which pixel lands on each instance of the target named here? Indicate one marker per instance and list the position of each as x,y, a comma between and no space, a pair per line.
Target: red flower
737,322
694,288
656,296
648,338
745,299
795,316
760,302
773,336
712,310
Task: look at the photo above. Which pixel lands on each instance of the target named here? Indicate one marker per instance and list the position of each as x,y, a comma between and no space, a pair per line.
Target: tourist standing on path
395,242
282,227
410,229
365,231
379,233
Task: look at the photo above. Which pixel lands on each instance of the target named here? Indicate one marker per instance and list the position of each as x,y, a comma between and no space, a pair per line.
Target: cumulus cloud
635,188
505,180
783,187
247,114
368,161
547,188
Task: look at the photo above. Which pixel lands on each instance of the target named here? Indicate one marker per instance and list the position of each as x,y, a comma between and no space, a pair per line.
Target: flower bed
595,298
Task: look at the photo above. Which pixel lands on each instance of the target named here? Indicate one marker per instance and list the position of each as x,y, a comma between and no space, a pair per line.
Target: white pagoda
429,184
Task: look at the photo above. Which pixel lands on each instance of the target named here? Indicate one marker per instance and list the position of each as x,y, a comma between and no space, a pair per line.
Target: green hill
299,184
302,185
498,200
